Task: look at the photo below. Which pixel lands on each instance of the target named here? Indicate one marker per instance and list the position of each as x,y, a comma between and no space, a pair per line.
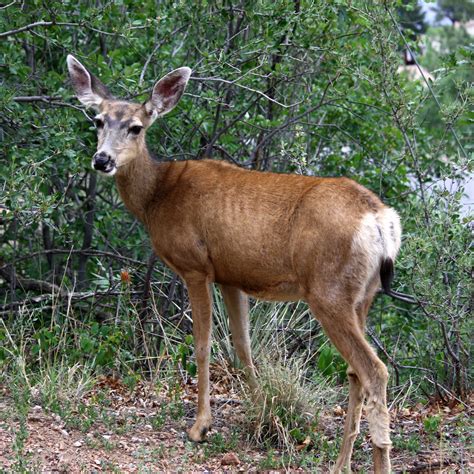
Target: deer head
121,125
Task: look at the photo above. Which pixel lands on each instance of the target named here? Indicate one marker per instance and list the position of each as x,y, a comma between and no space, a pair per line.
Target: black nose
101,160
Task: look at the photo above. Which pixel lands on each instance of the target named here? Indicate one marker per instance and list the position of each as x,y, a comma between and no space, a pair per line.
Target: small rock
106,437
97,461
77,444
230,459
64,433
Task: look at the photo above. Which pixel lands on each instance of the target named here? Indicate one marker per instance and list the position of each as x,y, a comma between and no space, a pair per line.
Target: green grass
218,444
407,442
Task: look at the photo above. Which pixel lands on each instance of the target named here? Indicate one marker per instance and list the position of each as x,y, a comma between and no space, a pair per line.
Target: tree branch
35,25
30,283
295,119
255,91
36,98
89,252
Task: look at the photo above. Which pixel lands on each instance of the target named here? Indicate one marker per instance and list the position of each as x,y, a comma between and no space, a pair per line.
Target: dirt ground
117,430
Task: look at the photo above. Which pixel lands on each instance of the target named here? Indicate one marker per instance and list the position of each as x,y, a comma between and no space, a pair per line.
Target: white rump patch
368,241
378,236
389,222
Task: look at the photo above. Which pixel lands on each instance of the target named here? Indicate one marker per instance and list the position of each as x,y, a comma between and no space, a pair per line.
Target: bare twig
36,98
35,25
38,24
67,295
255,91
296,118
29,284
50,100
89,252
4,7
392,361
155,49
443,331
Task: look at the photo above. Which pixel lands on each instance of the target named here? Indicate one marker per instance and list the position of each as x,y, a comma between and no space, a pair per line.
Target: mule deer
328,241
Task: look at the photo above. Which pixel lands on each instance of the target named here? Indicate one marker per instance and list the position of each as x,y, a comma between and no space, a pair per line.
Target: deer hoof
198,431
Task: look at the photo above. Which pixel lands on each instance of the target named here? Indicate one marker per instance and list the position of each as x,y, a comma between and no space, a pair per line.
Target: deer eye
135,129
99,123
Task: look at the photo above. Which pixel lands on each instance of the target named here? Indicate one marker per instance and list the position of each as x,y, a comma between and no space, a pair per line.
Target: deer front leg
200,298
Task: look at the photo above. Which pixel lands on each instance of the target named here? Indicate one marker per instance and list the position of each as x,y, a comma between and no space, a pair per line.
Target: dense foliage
289,86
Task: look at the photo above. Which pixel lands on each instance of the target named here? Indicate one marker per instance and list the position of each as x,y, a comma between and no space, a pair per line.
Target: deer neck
142,184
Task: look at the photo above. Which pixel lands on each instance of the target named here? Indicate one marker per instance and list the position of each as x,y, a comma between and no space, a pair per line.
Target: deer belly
283,291
260,282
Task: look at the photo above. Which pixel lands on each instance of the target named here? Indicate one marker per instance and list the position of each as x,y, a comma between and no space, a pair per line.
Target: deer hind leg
236,302
200,298
341,324
356,395
351,425
381,454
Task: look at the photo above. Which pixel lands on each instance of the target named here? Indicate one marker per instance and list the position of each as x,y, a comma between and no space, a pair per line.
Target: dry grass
283,411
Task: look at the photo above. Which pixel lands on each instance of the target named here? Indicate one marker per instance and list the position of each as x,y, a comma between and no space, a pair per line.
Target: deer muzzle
103,162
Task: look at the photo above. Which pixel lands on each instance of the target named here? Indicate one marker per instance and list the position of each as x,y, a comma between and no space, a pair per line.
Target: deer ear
167,92
89,90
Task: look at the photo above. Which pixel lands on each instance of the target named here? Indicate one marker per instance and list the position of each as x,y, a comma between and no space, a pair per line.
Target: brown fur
275,237
272,236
